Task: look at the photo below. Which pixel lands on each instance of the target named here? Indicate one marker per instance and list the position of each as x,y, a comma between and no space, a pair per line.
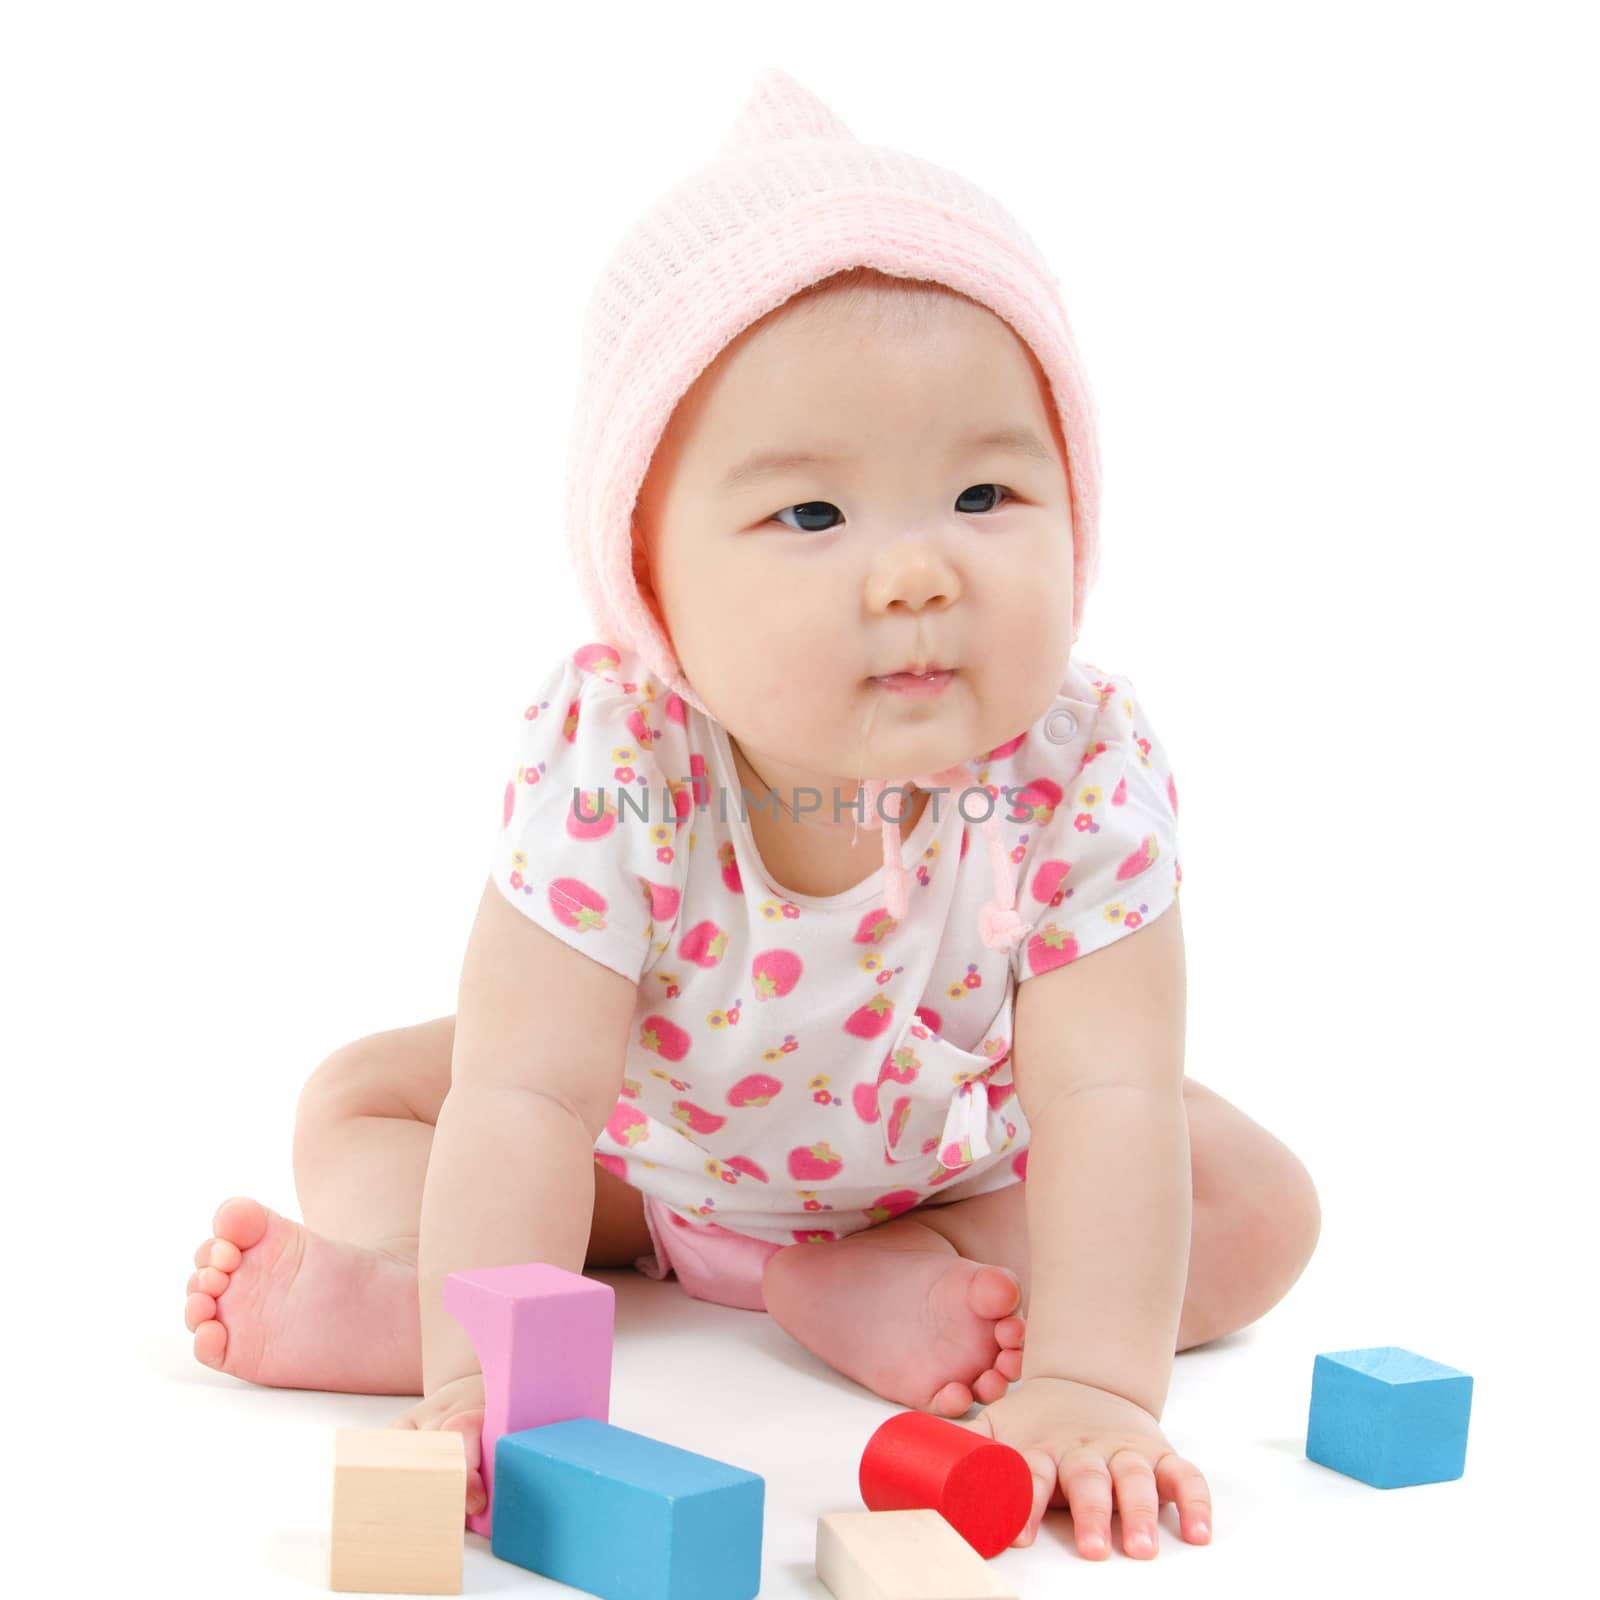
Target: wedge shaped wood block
399,1511
543,1337
902,1555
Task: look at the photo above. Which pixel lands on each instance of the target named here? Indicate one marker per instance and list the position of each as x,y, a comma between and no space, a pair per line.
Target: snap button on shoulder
1060,725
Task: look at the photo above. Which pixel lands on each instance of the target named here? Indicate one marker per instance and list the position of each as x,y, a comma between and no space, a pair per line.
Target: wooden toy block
543,1338
902,1555
399,1503
1388,1417
982,1488
625,1516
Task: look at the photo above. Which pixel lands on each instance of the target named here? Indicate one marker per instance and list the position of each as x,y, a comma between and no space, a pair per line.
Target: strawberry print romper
800,1068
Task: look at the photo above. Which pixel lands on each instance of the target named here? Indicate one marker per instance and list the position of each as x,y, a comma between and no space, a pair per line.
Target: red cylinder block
983,1489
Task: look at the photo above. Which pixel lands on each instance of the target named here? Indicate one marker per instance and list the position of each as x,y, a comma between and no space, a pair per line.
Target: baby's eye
809,508
821,508
979,487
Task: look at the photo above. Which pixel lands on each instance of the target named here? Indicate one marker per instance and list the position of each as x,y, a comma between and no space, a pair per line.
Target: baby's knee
358,1079
336,1077
1303,1205
400,1072
1287,1218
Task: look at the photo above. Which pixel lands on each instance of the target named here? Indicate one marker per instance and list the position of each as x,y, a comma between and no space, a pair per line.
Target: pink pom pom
1000,929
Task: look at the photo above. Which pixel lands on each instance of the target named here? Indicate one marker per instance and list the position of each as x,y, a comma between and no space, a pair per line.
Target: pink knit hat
792,197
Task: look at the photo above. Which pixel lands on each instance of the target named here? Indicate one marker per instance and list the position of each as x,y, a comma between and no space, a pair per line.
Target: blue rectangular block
625,1516
1388,1417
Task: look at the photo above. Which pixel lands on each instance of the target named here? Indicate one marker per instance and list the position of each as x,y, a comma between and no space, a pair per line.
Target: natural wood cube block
399,1510
901,1555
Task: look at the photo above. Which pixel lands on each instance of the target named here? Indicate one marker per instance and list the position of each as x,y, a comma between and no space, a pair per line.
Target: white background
287,347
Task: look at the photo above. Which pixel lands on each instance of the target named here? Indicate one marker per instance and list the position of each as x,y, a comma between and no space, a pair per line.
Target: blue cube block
1388,1417
626,1516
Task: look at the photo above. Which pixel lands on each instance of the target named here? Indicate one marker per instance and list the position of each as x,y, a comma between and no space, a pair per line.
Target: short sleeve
593,836
1103,859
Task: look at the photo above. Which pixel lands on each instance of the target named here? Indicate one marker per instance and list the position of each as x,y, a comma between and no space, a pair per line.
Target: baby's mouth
917,683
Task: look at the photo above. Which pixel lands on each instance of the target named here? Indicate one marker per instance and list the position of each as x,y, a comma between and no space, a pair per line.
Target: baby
833,505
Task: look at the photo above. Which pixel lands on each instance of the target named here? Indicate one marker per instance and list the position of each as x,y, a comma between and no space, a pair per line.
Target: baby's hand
1087,1446
457,1405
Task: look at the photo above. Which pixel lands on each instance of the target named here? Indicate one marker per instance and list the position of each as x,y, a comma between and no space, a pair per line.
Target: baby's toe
208,1280
220,1253
953,1400
198,1308
1009,1364
994,1291
240,1222
1009,1332
210,1343
989,1386
225,1255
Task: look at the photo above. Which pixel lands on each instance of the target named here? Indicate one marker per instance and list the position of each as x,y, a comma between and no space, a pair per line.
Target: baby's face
787,590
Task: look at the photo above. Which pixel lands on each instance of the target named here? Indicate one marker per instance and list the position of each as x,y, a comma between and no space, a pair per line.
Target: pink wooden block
543,1337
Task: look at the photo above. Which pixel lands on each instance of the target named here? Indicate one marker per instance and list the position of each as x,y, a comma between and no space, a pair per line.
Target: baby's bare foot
923,1328
276,1304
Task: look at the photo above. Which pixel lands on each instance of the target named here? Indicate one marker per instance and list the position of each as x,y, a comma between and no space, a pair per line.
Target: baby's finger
469,1424
1136,1499
1181,1481
1087,1486
1043,1467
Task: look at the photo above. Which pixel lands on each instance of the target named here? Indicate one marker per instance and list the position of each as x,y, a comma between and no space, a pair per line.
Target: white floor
224,1488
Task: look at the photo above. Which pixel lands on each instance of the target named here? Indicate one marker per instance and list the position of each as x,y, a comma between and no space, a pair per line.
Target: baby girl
833,506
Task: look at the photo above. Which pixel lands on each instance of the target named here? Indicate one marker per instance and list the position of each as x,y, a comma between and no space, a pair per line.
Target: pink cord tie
999,925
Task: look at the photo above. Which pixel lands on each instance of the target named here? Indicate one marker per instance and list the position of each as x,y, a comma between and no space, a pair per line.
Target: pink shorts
711,1262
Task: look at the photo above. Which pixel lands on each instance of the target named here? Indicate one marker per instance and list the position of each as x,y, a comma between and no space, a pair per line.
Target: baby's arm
1098,1069
540,1042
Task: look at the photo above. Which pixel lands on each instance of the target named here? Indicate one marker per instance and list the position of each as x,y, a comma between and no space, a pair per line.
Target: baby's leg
332,1304
362,1139
363,1131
